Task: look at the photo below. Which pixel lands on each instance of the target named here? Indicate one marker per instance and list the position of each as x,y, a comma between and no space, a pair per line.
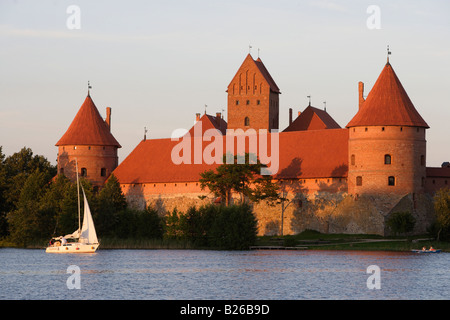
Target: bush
230,228
401,222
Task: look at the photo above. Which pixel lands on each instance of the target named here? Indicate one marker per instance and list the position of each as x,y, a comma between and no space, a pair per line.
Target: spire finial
309,97
205,108
89,87
258,52
249,48
145,133
388,54
324,106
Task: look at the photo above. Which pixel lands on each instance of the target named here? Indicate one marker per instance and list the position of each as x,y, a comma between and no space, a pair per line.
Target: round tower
89,142
387,146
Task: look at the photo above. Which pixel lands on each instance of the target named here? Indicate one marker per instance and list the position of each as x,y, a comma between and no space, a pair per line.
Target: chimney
218,117
108,117
290,116
197,116
361,94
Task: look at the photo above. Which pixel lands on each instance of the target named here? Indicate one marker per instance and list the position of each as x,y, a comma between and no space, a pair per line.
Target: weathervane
388,54
145,133
89,87
249,49
205,108
258,52
309,97
324,106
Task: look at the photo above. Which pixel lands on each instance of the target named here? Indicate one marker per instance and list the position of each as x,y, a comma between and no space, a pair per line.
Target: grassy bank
308,240
313,240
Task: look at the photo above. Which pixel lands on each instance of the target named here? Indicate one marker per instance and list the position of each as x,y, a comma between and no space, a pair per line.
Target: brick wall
92,158
368,147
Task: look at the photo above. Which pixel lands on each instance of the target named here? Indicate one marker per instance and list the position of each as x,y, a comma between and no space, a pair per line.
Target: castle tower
387,146
253,98
90,142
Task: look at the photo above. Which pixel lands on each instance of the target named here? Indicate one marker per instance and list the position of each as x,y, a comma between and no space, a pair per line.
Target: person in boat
431,248
424,249
63,241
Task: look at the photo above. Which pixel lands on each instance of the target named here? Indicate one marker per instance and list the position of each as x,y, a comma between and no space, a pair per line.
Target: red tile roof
312,119
387,104
438,172
209,122
303,154
88,128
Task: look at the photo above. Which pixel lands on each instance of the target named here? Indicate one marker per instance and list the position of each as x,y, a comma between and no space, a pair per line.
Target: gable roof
387,104
88,128
262,69
209,122
312,119
318,154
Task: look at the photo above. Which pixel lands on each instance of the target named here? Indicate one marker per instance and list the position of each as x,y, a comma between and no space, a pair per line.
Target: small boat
427,251
83,240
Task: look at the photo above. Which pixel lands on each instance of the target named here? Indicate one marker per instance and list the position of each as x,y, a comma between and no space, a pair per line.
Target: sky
158,63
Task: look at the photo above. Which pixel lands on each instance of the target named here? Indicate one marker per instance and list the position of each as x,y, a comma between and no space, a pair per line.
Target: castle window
382,129
103,172
359,181
387,159
237,102
89,148
391,181
258,102
246,121
366,129
422,160
83,172
248,102
352,160
75,148
401,128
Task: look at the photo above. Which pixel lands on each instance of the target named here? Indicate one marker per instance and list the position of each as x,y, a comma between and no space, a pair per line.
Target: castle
336,180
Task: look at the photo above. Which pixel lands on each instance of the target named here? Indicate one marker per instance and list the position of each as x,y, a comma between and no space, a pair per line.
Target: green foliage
401,222
243,177
442,210
232,228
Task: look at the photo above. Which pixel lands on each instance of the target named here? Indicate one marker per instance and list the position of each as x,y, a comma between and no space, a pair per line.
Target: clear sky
157,63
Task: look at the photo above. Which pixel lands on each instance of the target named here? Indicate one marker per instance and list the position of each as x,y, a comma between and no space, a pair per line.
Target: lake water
223,275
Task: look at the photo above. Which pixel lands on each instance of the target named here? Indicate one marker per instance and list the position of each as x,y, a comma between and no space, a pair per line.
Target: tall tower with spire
88,141
387,146
253,98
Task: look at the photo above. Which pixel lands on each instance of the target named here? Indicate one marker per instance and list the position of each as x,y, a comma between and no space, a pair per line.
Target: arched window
352,160
391,181
83,172
103,172
359,181
387,159
246,121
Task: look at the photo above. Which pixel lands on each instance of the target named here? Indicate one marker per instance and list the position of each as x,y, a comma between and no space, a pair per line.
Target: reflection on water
196,274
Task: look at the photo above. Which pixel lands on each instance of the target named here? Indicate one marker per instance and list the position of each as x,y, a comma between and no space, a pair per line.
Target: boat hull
73,248
427,251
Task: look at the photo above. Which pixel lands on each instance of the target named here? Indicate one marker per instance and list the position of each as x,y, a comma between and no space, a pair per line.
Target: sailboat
84,239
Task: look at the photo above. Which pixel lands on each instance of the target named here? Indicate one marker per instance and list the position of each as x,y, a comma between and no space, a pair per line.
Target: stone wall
326,212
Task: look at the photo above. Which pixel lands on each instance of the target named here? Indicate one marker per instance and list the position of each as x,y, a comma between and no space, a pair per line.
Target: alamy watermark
374,280
74,280
73,21
191,147
374,20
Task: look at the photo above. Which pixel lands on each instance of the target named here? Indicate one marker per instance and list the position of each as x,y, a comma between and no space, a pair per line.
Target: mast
78,191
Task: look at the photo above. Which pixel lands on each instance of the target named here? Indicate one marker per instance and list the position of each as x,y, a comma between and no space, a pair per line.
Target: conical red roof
88,128
387,104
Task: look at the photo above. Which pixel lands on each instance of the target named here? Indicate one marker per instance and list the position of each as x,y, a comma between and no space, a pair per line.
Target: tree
242,177
401,222
30,221
442,210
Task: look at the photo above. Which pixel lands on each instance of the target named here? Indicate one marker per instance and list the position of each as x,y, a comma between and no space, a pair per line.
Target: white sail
88,233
